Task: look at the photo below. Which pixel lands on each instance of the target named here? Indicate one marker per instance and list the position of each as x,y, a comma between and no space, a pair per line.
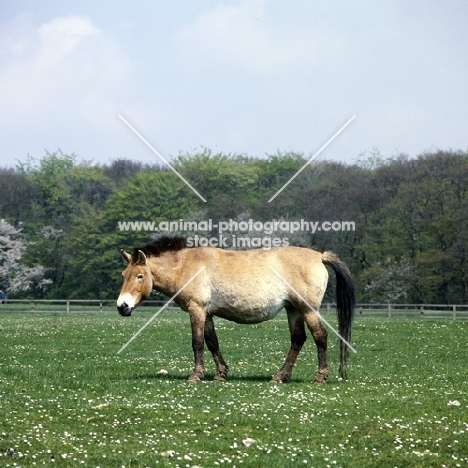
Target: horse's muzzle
125,310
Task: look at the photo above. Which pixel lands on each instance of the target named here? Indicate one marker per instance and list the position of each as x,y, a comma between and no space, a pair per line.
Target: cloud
61,76
62,36
242,37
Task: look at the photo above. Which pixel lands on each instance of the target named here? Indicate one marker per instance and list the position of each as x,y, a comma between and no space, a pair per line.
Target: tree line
60,235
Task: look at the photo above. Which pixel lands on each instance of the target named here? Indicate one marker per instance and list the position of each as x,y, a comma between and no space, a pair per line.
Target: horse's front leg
197,320
213,345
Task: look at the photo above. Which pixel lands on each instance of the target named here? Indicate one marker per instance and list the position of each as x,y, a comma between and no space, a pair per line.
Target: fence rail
70,306
422,311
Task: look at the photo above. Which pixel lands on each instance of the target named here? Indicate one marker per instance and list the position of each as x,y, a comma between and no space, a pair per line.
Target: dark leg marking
298,338
320,337
212,343
197,320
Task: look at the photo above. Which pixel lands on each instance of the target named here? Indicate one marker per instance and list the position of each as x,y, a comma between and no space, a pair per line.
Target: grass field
67,398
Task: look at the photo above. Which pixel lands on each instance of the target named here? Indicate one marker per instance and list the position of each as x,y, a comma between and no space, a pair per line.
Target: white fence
70,306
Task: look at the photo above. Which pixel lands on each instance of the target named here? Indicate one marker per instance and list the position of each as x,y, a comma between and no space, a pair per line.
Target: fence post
389,312
68,307
32,306
422,311
328,308
100,307
454,312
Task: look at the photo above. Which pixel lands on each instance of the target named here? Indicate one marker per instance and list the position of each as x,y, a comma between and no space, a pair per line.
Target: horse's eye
140,276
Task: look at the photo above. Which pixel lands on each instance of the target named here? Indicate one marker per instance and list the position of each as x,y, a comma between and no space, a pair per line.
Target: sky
253,77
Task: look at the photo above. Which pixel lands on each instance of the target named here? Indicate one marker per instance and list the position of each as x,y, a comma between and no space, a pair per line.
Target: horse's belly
247,314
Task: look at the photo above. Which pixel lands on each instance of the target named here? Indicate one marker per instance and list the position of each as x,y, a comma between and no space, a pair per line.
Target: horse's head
137,283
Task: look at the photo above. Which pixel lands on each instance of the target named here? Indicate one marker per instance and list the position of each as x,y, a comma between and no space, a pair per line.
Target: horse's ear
127,257
141,258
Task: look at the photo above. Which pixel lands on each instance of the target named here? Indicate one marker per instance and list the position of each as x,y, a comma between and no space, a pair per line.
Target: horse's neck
164,270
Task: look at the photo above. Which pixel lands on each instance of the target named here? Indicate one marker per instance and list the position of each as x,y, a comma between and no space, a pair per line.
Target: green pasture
68,398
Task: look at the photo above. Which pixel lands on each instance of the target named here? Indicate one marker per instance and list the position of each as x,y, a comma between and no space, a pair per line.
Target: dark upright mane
161,245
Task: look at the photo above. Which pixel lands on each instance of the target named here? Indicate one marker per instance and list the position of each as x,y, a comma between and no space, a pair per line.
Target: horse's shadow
209,378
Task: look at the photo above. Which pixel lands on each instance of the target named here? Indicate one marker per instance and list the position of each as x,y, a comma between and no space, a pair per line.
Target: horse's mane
161,245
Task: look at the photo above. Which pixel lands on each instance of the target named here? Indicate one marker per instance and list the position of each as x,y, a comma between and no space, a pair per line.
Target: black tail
345,303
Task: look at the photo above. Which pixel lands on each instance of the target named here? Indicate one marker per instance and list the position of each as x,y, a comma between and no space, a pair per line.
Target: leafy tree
423,220
121,171
372,160
274,173
16,194
52,206
227,182
93,266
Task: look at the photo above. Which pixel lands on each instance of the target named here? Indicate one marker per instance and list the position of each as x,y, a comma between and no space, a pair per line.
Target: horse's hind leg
298,338
212,343
320,337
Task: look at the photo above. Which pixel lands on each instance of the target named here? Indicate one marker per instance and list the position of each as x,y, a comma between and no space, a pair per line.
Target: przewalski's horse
248,287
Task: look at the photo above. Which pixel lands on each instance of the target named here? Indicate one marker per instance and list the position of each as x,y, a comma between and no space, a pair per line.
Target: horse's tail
345,303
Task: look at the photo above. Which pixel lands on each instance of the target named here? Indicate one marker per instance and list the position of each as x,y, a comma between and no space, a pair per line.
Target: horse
246,287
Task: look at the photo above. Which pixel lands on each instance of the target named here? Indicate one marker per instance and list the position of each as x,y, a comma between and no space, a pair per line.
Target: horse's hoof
219,378
278,380
194,378
320,379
